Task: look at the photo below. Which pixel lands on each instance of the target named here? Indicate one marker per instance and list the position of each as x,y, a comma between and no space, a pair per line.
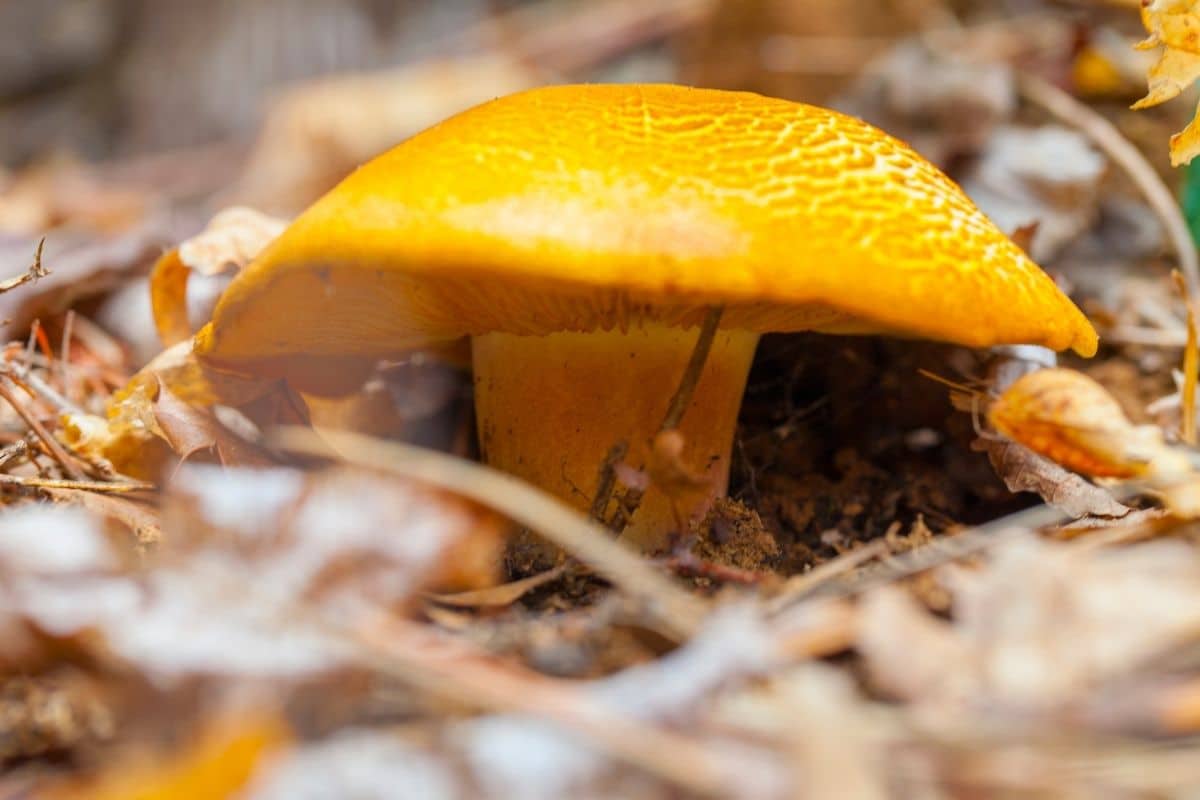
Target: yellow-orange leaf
1174,25
1071,419
216,765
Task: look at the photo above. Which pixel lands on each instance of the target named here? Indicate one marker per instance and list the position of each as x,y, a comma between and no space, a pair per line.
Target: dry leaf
214,765
65,192
1040,628
1023,470
1174,25
142,521
80,265
190,429
130,449
178,369
256,565
136,416
1071,419
232,239
168,299
317,133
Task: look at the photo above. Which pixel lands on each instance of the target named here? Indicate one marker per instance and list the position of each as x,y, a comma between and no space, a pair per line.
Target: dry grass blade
695,366
503,595
65,460
943,551
801,585
676,612
1191,367
83,485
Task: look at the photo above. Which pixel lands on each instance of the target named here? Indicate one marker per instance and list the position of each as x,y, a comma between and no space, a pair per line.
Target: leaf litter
196,604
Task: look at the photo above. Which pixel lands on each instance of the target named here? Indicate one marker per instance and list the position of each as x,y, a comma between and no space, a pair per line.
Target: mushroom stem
550,408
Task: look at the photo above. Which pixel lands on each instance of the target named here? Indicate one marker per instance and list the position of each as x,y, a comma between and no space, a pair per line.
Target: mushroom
579,234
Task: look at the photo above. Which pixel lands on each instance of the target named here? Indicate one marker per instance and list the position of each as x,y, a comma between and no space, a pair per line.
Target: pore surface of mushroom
578,234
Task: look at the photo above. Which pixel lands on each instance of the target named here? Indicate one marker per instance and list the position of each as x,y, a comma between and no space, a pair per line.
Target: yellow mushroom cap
583,207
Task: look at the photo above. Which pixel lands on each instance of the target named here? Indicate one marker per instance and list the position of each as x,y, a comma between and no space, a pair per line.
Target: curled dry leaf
1023,470
1071,419
190,429
1174,26
231,240
131,437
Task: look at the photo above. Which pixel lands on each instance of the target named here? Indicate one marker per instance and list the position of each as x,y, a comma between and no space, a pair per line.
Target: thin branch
51,444
695,368
35,271
1105,135
629,501
1191,366
83,485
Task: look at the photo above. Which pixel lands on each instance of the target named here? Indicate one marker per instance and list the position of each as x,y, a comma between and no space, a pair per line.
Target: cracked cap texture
581,207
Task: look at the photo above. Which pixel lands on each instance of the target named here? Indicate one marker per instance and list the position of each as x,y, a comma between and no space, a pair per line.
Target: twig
629,501
458,672
799,586
36,270
688,563
678,613
28,380
1191,366
695,367
943,551
64,362
608,480
84,485
13,451
51,444
1106,136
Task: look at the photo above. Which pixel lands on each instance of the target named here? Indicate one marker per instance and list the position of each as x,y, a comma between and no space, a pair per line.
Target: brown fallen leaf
232,238
65,192
190,429
316,133
1023,470
144,522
